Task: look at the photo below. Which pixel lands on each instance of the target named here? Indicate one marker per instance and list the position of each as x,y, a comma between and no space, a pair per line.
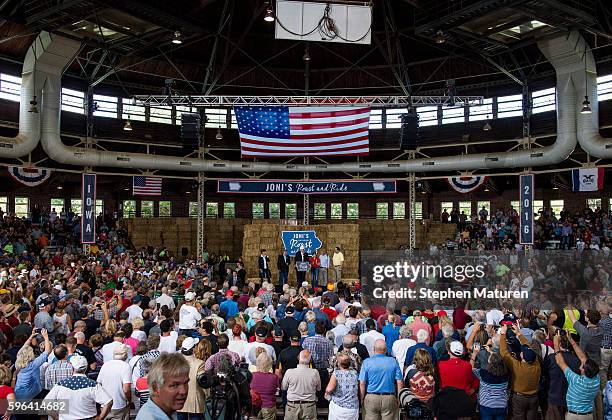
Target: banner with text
294,239
88,218
306,187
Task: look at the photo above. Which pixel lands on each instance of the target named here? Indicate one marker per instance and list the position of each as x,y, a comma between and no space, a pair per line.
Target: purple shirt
265,384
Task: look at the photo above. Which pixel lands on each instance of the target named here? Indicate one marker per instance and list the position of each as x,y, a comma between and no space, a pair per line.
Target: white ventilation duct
550,155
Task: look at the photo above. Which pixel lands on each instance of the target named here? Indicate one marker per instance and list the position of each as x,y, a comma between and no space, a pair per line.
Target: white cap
189,296
305,284
456,348
78,362
189,343
58,287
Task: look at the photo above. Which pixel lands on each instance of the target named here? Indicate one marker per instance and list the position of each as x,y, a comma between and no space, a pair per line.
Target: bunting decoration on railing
29,175
466,184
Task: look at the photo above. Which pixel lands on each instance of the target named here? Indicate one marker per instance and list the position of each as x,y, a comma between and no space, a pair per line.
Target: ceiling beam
50,11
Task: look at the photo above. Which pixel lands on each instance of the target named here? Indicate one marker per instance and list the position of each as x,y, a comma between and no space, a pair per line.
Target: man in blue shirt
229,306
422,337
380,379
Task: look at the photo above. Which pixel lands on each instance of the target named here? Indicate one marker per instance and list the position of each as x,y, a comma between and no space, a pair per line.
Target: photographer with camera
555,377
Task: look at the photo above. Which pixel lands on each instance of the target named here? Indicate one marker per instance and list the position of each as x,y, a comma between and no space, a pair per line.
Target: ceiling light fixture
269,14
59,187
555,187
487,188
177,38
128,125
586,106
487,126
306,56
33,106
440,37
219,135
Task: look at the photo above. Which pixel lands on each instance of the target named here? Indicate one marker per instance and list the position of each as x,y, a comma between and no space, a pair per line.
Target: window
538,205
352,210
465,207
165,209
274,210
375,119
10,87
212,210
216,117
258,210
454,114
129,208
557,207
543,100
76,206
510,106
336,210
234,122
22,206
132,111
182,110
106,106
487,207
99,207
229,210
193,209
482,112
399,210
4,204
319,211
58,204
428,115
290,211
146,209
515,205
448,206
593,203
604,88
382,210
160,114
418,210
73,101
394,117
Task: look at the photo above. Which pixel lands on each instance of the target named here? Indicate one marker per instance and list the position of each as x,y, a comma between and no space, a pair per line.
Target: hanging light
177,38
440,37
586,106
487,126
306,56
269,17
33,106
555,187
487,188
219,135
128,125
59,187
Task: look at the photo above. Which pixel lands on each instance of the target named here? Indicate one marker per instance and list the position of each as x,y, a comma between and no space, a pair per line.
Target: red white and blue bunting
29,175
466,184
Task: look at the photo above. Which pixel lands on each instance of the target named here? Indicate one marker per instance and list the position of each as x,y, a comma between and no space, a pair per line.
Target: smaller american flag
146,185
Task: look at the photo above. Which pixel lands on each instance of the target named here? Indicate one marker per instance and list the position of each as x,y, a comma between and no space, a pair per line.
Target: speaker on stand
190,132
409,131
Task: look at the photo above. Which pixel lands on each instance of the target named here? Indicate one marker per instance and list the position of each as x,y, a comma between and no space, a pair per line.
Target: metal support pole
201,216
306,198
412,208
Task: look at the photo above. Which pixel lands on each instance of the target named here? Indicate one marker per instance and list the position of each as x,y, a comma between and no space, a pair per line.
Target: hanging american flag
146,185
303,131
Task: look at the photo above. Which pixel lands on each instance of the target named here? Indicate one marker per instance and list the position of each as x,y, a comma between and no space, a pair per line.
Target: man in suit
301,256
264,266
283,263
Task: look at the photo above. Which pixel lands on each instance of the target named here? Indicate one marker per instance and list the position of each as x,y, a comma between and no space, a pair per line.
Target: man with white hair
84,350
165,299
422,338
81,394
339,330
116,379
401,346
302,385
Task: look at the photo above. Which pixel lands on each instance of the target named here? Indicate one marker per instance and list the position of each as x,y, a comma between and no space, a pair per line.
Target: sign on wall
294,239
306,187
88,218
527,186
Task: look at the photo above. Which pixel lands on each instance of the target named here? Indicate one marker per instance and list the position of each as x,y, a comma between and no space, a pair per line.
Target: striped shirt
606,327
581,392
56,372
493,392
212,363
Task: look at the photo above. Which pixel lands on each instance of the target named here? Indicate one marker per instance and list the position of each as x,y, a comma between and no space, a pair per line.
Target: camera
230,394
37,330
562,333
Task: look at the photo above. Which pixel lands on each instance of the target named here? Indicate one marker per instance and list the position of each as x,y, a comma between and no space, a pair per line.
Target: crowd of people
586,229
118,332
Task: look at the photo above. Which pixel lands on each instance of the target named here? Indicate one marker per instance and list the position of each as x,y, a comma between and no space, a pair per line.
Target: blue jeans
314,276
282,279
487,413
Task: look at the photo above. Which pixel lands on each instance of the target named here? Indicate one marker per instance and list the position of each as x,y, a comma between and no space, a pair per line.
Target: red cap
229,293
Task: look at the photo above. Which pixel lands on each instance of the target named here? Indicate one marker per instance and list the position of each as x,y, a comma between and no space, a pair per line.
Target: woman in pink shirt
129,340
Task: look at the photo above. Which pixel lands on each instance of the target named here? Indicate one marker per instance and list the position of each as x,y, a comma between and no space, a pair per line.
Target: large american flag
146,185
303,131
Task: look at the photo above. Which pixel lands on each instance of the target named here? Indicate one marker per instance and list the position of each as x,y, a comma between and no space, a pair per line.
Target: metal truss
374,101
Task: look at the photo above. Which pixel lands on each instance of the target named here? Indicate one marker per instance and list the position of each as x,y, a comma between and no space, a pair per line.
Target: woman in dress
343,390
62,318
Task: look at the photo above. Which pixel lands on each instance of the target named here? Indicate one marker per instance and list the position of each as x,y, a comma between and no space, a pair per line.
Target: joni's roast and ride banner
237,186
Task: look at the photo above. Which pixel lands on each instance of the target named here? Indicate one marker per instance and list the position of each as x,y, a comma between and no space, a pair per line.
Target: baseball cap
456,348
528,355
278,331
189,296
78,362
509,319
295,336
229,293
290,309
261,307
261,332
416,313
44,302
189,343
305,284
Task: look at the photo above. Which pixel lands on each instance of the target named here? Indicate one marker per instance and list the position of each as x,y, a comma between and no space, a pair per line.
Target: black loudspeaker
409,133
184,251
190,131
